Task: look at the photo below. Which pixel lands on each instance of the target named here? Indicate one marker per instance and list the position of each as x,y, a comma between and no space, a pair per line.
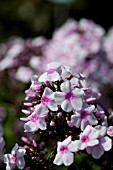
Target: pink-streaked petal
107,145
77,104
68,158
66,141
58,159
53,65
75,120
66,106
43,77
78,92
31,126
93,142
59,97
41,124
97,151
52,106
66,86
53,77
20,162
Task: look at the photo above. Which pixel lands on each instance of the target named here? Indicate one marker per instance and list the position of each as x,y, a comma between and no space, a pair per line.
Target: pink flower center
34,118
83,114
69,96
13,158
63,149
84,138
51,71
44,100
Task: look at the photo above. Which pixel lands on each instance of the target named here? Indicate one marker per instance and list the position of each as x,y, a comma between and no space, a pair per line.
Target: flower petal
66,86
31,126
75,120
41,110
47,92
97,151
107,144
73,146
58,159
59,97
66,141
43,77
77,103
90,109
93,142
66,106
78,92
53,65
68,158
53,77
52,106
20,162
20,152
41,124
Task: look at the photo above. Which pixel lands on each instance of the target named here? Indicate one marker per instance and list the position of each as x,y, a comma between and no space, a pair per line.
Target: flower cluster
21,57
64,115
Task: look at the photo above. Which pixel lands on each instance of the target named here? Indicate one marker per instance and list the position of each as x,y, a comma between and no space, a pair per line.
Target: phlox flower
64,152
52,73
16,158
84,117
69,98
47,99
105,143
37,119
24,74
89,137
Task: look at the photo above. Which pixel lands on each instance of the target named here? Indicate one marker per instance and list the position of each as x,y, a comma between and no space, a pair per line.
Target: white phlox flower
36,120
52,73
69,98
16,158
64,152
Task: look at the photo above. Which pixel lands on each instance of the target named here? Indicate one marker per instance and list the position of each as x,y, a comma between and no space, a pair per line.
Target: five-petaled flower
89,137
84,117
52,73
64,152
69,98
16,158
36,120
47,99
105,143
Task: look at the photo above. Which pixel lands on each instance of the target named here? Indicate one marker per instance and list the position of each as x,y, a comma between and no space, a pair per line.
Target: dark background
31,18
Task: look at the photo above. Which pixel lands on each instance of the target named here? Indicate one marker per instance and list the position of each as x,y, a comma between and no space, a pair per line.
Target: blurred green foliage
31,18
